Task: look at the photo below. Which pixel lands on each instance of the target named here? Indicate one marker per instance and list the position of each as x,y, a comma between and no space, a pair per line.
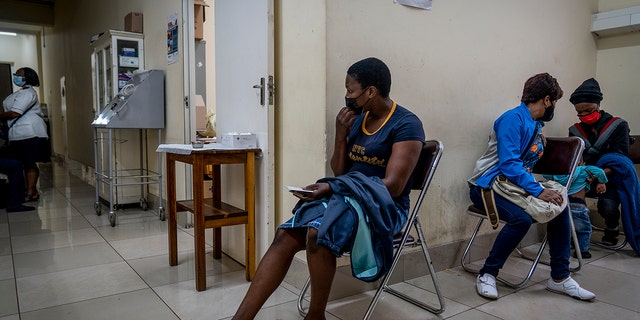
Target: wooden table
212,213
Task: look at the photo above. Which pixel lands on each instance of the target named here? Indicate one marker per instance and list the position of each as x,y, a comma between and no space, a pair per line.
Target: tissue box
239,140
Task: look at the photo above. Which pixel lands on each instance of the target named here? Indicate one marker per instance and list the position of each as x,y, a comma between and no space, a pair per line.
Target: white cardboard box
201,114
208,189
239,140
126,61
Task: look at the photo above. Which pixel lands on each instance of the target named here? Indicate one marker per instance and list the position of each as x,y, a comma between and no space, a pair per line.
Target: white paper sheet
188,148
422,4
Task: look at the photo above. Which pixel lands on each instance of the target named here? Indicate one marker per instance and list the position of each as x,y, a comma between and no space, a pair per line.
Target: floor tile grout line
123,258
106,241
13,265
127,262
56,189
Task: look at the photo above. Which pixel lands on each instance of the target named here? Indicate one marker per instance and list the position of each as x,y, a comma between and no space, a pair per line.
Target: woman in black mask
515,145
377,145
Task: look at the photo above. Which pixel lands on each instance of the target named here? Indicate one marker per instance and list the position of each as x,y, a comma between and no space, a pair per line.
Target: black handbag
4,132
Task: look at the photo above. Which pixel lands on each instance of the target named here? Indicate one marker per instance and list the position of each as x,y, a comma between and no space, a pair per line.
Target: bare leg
31,174
271,270
322,269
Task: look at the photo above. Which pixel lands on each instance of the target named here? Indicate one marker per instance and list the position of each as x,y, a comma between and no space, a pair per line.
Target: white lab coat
31,124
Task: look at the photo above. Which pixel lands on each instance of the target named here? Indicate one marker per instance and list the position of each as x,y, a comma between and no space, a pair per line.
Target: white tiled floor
62,261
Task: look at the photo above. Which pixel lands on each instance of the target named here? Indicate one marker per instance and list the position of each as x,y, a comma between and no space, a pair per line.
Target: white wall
67,53
618,70
608,5
301,99
618,73
21,51
458,67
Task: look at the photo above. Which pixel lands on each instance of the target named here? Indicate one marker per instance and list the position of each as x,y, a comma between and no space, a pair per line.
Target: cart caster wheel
162,214
98,208
143,204
112,219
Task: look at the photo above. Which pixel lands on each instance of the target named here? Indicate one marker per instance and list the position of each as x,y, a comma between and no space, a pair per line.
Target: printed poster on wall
172,38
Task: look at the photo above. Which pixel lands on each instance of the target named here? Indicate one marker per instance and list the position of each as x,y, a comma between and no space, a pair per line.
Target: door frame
265,227
189,87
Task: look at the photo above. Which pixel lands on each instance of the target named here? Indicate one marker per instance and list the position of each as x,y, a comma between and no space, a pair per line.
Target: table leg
171,204
198,223
217,243
217,201
250,206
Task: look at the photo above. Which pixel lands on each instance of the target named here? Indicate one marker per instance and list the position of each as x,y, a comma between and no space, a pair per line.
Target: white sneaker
486,286
571,288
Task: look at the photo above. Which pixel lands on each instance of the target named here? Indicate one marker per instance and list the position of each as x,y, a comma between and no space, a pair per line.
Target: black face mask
351,104
548,114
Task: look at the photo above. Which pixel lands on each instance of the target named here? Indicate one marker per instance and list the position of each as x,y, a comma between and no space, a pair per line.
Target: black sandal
31,197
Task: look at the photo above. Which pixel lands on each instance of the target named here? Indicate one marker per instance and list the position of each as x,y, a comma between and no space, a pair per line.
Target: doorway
63,115
6,83
239,95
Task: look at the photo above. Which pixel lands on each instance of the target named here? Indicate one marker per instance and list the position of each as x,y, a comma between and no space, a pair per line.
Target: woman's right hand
552,196
344,121
601,188
320,190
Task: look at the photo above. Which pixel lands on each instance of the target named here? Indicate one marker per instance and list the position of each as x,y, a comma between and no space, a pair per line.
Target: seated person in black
602,134
13,170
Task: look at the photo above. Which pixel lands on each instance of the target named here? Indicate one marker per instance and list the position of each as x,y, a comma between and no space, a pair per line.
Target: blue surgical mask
18,81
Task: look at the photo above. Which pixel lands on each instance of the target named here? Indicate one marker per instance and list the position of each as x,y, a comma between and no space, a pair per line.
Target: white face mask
18,81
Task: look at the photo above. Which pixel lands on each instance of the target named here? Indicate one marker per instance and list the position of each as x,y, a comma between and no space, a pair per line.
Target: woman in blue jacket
515,145
377,145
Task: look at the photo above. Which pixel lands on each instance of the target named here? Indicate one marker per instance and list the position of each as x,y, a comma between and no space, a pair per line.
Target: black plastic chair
422,175
561,156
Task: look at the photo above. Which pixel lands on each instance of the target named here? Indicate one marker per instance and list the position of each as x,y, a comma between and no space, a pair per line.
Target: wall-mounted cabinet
116,55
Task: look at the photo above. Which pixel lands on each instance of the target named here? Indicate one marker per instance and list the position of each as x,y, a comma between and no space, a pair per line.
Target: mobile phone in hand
298,189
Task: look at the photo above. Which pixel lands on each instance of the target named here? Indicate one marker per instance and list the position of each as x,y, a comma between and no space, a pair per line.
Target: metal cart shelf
138,105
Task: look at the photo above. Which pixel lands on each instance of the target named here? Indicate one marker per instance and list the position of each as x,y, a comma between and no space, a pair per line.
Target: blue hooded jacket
628,186
511,135
339,228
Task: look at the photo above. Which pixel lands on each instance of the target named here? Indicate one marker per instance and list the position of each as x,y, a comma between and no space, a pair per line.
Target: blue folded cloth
626,182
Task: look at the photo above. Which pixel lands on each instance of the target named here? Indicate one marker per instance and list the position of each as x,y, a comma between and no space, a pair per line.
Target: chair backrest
634,149
424,171
561,156
427,163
